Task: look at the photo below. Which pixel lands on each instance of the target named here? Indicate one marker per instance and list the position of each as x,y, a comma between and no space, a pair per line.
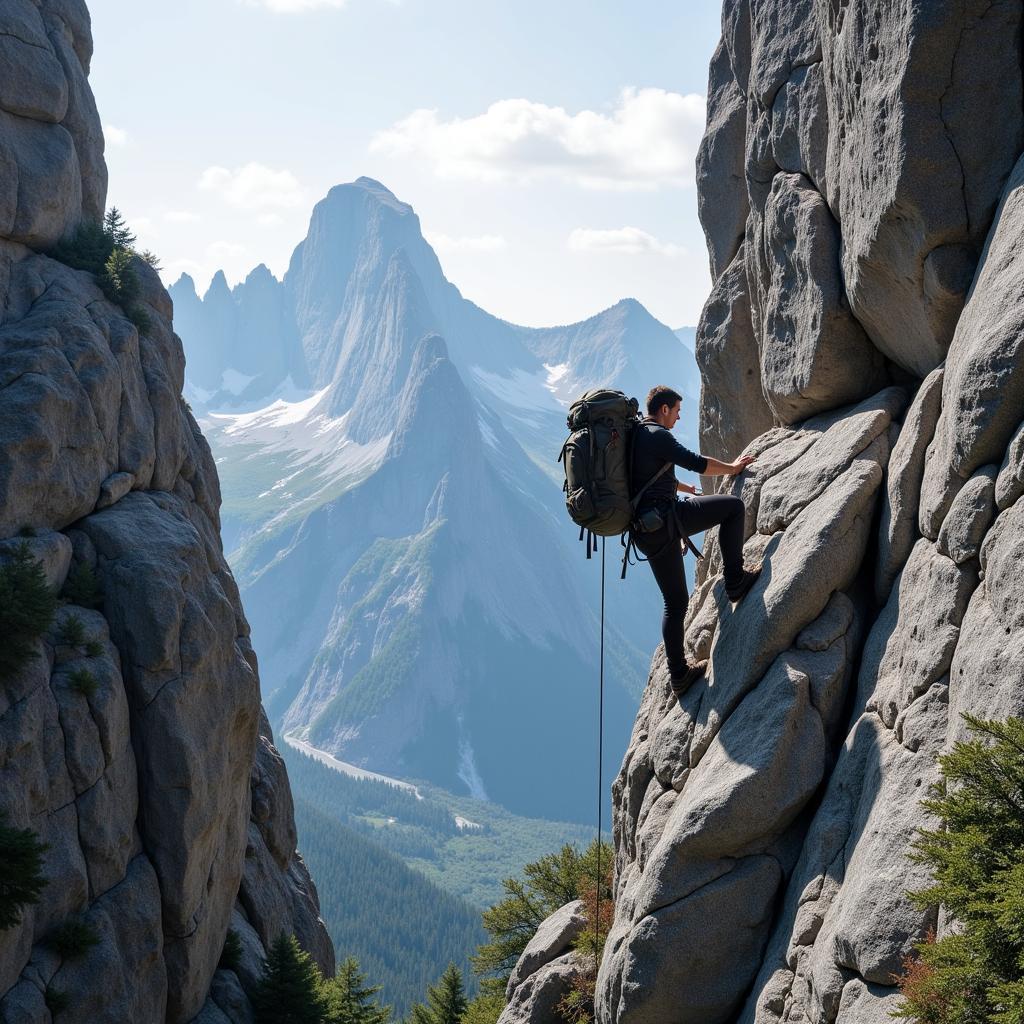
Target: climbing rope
600,756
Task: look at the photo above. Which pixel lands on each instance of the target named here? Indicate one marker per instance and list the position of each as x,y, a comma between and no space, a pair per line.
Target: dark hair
661,395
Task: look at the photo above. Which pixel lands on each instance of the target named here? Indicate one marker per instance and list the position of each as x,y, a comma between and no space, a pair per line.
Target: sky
546,145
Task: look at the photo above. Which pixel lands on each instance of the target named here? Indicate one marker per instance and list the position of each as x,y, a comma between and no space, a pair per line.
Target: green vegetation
82,587
291,990
401,927
485,1008
468,862
974,974
27,531
446,1001
73,938
93,648
72,631
83,681
578,1006
350,1000
21,871
107,252
27,608
57,1000
381,679
231,954
547,884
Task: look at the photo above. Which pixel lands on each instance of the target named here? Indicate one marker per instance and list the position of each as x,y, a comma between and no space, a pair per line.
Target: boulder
969,517
114,488
732,409
988,664
983,387
911,644
552,939
1010,482
910,97
814,355
898,531
536,1000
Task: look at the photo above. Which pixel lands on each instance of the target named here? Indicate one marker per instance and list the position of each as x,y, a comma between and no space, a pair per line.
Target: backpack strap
635,501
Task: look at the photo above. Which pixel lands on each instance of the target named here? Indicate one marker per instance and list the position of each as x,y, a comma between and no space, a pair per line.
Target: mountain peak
371,184
260,273
184,285
368,188
429,348
218,283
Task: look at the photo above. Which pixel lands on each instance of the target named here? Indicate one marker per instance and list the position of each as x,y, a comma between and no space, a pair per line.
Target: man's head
663,405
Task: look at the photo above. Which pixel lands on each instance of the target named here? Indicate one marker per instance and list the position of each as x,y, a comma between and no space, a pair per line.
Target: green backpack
597,457
598,463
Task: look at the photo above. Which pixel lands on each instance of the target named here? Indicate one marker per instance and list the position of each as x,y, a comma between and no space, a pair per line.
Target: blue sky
547,147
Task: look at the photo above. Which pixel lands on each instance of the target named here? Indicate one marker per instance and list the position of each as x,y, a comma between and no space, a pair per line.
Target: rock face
860,188
154,783
52,172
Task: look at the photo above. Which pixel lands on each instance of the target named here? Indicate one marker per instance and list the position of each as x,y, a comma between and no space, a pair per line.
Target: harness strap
639,494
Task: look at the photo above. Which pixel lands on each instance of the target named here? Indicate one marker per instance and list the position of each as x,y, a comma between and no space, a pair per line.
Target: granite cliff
861,187
157,788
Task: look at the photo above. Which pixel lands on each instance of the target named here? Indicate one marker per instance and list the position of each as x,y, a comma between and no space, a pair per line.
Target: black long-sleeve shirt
653,446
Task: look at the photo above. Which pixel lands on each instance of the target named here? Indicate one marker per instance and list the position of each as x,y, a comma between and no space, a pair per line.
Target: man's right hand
741,463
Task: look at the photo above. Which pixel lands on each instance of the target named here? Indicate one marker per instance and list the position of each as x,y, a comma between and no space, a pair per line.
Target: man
654,446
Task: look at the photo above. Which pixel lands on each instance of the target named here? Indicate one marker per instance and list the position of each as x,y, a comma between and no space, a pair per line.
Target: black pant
665,555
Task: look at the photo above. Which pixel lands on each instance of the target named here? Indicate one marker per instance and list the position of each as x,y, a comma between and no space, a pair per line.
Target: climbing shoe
680,684
743,585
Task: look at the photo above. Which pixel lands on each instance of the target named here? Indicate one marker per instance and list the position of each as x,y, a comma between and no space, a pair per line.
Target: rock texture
52,172
157,789
864,340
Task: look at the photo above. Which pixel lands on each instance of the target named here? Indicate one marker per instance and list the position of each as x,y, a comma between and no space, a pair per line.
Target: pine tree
291,989
116,228
350,1001
485,1008
446,1001
548,884
21,871
27,607
975,974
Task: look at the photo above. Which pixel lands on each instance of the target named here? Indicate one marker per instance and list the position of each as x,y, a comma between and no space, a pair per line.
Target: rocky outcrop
132,743
870,307
52,172
854,252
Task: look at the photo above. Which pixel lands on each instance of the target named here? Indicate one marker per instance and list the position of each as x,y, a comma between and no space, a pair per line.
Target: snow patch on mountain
556,373
350,769
523,390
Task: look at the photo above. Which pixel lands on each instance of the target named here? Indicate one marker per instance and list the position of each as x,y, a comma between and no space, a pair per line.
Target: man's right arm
716,468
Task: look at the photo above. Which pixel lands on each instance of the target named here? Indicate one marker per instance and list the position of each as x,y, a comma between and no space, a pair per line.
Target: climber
662,519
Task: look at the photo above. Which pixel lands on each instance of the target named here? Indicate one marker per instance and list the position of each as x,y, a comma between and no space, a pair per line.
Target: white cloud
630,241
649,139
234,259
181,217
142,225
269,220
114,136
253,187
294,6
468,243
